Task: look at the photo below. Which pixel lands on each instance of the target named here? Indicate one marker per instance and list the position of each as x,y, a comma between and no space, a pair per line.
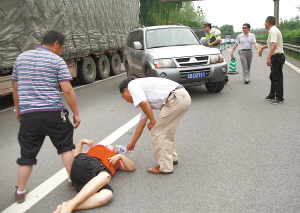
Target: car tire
103,67
215,87
147,72
126,65
86,70
115,64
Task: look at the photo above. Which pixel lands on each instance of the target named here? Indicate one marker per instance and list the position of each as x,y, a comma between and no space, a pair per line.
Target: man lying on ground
91,173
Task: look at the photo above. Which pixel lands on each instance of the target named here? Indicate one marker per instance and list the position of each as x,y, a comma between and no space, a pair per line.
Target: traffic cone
233,67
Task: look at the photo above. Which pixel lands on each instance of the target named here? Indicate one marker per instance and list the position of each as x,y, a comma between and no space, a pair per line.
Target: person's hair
271,20
209,25
124,84
248,25
52,36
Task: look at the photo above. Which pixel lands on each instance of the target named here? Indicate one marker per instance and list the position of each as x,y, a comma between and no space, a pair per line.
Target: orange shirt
103,153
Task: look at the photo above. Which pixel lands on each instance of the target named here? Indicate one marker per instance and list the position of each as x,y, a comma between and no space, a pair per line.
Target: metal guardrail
289,47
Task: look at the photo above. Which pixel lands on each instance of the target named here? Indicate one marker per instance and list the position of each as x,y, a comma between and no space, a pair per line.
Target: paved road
238,153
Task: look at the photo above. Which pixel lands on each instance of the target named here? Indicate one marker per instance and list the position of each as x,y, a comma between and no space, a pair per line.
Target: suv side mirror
137,45
203,40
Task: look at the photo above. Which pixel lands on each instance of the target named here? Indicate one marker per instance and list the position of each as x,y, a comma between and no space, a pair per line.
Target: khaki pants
162,134
246,59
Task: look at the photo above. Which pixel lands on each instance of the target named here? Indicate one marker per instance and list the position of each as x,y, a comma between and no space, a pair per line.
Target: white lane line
45,188
292,66
10,108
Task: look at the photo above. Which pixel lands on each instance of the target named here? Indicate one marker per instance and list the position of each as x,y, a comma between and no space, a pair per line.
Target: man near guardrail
275,60
245,41
37,76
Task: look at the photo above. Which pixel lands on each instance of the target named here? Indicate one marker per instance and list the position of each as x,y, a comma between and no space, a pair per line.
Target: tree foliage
290,31
188,15
152,12
227,29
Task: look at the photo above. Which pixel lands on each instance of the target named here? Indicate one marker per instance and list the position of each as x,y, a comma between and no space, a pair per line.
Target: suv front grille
183,73
193,61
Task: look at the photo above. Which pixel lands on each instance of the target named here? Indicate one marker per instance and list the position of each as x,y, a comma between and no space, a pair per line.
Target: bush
288,36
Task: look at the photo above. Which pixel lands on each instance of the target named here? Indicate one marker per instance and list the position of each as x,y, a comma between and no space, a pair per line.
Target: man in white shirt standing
245,41
275,60
173,101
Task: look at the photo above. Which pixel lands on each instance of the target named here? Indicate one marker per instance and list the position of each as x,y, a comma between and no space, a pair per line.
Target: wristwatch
16,110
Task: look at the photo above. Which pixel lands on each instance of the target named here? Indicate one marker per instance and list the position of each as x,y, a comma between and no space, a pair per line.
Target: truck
95,31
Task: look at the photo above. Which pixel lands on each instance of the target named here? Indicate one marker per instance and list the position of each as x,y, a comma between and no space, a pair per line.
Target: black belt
179,87
245,49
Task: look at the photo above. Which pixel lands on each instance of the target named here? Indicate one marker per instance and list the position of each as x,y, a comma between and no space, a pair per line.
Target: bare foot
58,208
67,207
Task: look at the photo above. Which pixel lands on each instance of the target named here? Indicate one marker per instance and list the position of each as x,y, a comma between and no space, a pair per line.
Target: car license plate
196,75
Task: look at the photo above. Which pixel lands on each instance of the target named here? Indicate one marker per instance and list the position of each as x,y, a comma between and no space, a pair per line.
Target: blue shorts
36,126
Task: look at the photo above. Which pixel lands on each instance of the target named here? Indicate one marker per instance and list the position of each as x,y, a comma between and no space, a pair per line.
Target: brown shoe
175,162
20,198
156,170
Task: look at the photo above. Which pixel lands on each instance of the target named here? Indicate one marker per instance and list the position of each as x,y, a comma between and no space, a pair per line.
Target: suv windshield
170,37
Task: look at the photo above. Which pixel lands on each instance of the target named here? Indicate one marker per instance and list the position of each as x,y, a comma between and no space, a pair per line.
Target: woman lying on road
91,173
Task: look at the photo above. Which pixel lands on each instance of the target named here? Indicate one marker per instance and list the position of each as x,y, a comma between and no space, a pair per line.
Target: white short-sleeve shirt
152,89
275,36
245,42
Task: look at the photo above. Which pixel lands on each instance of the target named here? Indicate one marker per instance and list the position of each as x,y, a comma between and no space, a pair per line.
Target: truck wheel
86,71
215,87
126,65
115,64
103,67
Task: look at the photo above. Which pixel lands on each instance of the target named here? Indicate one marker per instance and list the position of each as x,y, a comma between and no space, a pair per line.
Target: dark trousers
276,76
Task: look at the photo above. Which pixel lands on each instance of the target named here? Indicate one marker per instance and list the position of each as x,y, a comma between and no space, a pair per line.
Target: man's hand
269,62
18,116
260,52
150,125
130,146
76,120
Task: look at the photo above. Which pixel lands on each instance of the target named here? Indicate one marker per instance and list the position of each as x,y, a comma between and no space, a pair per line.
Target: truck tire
115,64
86,71
103,67
215,87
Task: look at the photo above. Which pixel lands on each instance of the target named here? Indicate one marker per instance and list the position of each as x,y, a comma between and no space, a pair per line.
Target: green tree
152,12
227,29
188,15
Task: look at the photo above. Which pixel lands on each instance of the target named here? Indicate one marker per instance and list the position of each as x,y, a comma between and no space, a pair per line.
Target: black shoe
246,82
269,98
276,101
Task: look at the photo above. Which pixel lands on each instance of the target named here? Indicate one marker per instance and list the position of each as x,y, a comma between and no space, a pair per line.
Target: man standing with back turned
276,60
173,101
245,40
37,75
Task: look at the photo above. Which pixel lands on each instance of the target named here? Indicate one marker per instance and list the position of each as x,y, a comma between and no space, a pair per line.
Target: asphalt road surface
238,152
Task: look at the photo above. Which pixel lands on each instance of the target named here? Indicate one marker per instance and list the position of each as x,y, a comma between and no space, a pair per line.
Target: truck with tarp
95,32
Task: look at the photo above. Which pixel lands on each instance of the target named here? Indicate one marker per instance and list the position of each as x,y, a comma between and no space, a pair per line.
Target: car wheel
126,65
115,64
86,71
103,67
147,72
220,86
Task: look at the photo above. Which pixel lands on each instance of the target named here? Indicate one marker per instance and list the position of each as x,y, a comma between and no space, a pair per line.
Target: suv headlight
161,63
216,59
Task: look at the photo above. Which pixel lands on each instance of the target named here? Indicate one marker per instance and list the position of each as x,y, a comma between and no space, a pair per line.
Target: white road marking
45,188
292,66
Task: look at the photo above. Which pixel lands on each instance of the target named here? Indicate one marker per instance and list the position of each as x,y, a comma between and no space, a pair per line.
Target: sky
238,12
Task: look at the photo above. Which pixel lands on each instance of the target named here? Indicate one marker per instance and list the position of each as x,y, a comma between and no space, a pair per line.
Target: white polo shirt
245,42
275,36
152,89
